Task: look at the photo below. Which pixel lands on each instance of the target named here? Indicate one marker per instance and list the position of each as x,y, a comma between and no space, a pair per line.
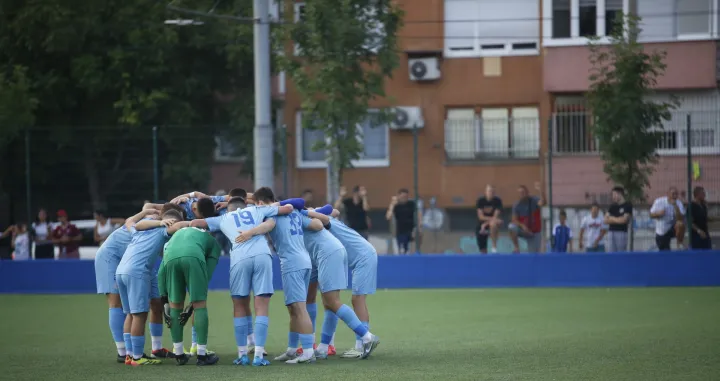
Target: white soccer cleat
352,354
370,346
287,356
302,359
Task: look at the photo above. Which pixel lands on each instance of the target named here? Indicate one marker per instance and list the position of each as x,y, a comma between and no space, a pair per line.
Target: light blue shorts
136,292
252,274
105,267
331,272
295,286
364,276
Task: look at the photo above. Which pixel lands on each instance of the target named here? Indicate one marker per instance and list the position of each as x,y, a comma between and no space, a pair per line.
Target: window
494,133
588,18
613,11
704,133
491,28
561,19
571,127
694,17
226,149
373,135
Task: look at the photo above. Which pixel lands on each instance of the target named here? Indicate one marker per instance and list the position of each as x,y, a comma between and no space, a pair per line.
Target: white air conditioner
424,69
407,118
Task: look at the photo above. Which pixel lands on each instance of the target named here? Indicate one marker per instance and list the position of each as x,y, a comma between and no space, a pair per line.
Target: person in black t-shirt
699,234
356,208
618,219
489,208
403,210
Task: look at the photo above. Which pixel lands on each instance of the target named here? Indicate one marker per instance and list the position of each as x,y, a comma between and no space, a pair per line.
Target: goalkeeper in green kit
188,263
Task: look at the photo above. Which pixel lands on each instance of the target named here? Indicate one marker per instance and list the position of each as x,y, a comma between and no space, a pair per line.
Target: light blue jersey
321,244
108,258
188,205
142,253
289,243
116,243
357,247
243,219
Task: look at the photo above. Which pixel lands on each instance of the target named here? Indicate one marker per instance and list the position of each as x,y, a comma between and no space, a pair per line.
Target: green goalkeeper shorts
186,273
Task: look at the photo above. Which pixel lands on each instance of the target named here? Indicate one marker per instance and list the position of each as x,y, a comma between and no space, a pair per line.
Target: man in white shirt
592,231
668,212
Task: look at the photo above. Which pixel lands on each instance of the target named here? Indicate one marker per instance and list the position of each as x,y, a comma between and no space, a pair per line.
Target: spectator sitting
404,211
21,242
104,226
592,231
562,235
356,208
42,236
67,236
488,208
526,220
669,212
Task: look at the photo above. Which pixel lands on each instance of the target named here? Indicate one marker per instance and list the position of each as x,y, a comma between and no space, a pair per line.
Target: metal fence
492,138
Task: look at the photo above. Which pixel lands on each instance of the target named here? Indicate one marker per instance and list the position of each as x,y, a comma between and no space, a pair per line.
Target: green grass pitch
497,334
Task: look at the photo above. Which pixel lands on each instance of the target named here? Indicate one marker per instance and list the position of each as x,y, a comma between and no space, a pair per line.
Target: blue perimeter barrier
694,268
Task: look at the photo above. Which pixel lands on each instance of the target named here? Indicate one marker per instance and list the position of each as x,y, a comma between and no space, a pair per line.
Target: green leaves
343,51
626,123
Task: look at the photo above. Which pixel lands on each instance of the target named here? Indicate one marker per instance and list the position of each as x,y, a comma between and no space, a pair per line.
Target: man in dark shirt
699,234
403,210
618,219
489,208
356,208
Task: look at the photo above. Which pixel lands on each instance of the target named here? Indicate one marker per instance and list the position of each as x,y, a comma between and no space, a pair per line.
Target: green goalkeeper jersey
196,243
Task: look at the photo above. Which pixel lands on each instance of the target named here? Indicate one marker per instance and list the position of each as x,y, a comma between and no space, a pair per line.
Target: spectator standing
618,219
307,195
489,207
562,235
526,220
67,236
403,209
356,208
700,233
592,231
104,226
668,211
42,236
21,242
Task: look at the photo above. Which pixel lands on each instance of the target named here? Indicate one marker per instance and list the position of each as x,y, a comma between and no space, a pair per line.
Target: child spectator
562,235
20,242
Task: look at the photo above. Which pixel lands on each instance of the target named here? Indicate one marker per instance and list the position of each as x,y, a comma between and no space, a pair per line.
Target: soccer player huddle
315,250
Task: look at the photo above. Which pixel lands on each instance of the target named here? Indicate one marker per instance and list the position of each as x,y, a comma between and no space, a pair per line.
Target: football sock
261,332
176,330
128,344
293,341
329,326
194,336
312,311
156,331
307,341
138,344
202,323
241,329
347,315
116,321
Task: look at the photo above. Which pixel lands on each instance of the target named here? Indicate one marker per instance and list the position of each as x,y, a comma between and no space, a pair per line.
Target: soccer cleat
251,349
300,350
352,354
208,359
244,361
370,346
182,359
145,360
121,359
302,360
260,362
128,360
162,353
331,350
193,352
287,356
321,355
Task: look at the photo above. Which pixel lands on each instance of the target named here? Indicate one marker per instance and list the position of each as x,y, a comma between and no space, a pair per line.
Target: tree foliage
93,78
344,50
627,124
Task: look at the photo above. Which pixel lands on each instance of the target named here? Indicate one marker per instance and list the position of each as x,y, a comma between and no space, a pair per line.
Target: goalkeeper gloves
185,315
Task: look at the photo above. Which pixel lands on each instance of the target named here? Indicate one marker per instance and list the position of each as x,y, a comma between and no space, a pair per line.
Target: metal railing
496,138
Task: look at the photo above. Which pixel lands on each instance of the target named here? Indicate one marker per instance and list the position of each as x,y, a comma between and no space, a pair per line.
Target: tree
627,123
105,73
343,52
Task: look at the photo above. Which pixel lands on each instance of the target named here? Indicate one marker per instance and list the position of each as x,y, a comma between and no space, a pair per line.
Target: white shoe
321,355
352,354
370,346
493,250
289,355
302,359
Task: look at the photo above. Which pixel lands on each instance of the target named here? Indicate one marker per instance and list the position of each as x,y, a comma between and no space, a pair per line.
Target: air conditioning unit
407,118
424,69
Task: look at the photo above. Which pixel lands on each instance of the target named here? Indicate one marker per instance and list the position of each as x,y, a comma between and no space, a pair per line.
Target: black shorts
698,243
482,239
663,241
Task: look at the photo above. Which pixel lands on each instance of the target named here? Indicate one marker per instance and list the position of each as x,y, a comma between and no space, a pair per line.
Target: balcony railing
506,138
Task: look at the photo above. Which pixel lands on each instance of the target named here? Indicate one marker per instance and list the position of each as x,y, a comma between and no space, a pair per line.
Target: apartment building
485,78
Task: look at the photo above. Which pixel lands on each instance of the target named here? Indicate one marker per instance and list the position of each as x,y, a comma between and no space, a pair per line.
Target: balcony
493,135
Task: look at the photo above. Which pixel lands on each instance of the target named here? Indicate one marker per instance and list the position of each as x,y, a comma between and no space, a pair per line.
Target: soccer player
189,261
107,259
250,270
189,202
362,260
296,267
134,276
330,264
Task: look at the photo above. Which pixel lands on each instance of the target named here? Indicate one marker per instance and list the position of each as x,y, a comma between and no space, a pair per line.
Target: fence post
688,213
156,170
28,186
550,178
416,189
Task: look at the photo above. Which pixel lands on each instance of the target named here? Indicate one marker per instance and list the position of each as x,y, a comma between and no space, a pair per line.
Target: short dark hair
168,206
594,204
563,213
403,190
205,207
100,212
172,213
238,192
264,194
236,203
306,191
697,190
356,188
619,189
